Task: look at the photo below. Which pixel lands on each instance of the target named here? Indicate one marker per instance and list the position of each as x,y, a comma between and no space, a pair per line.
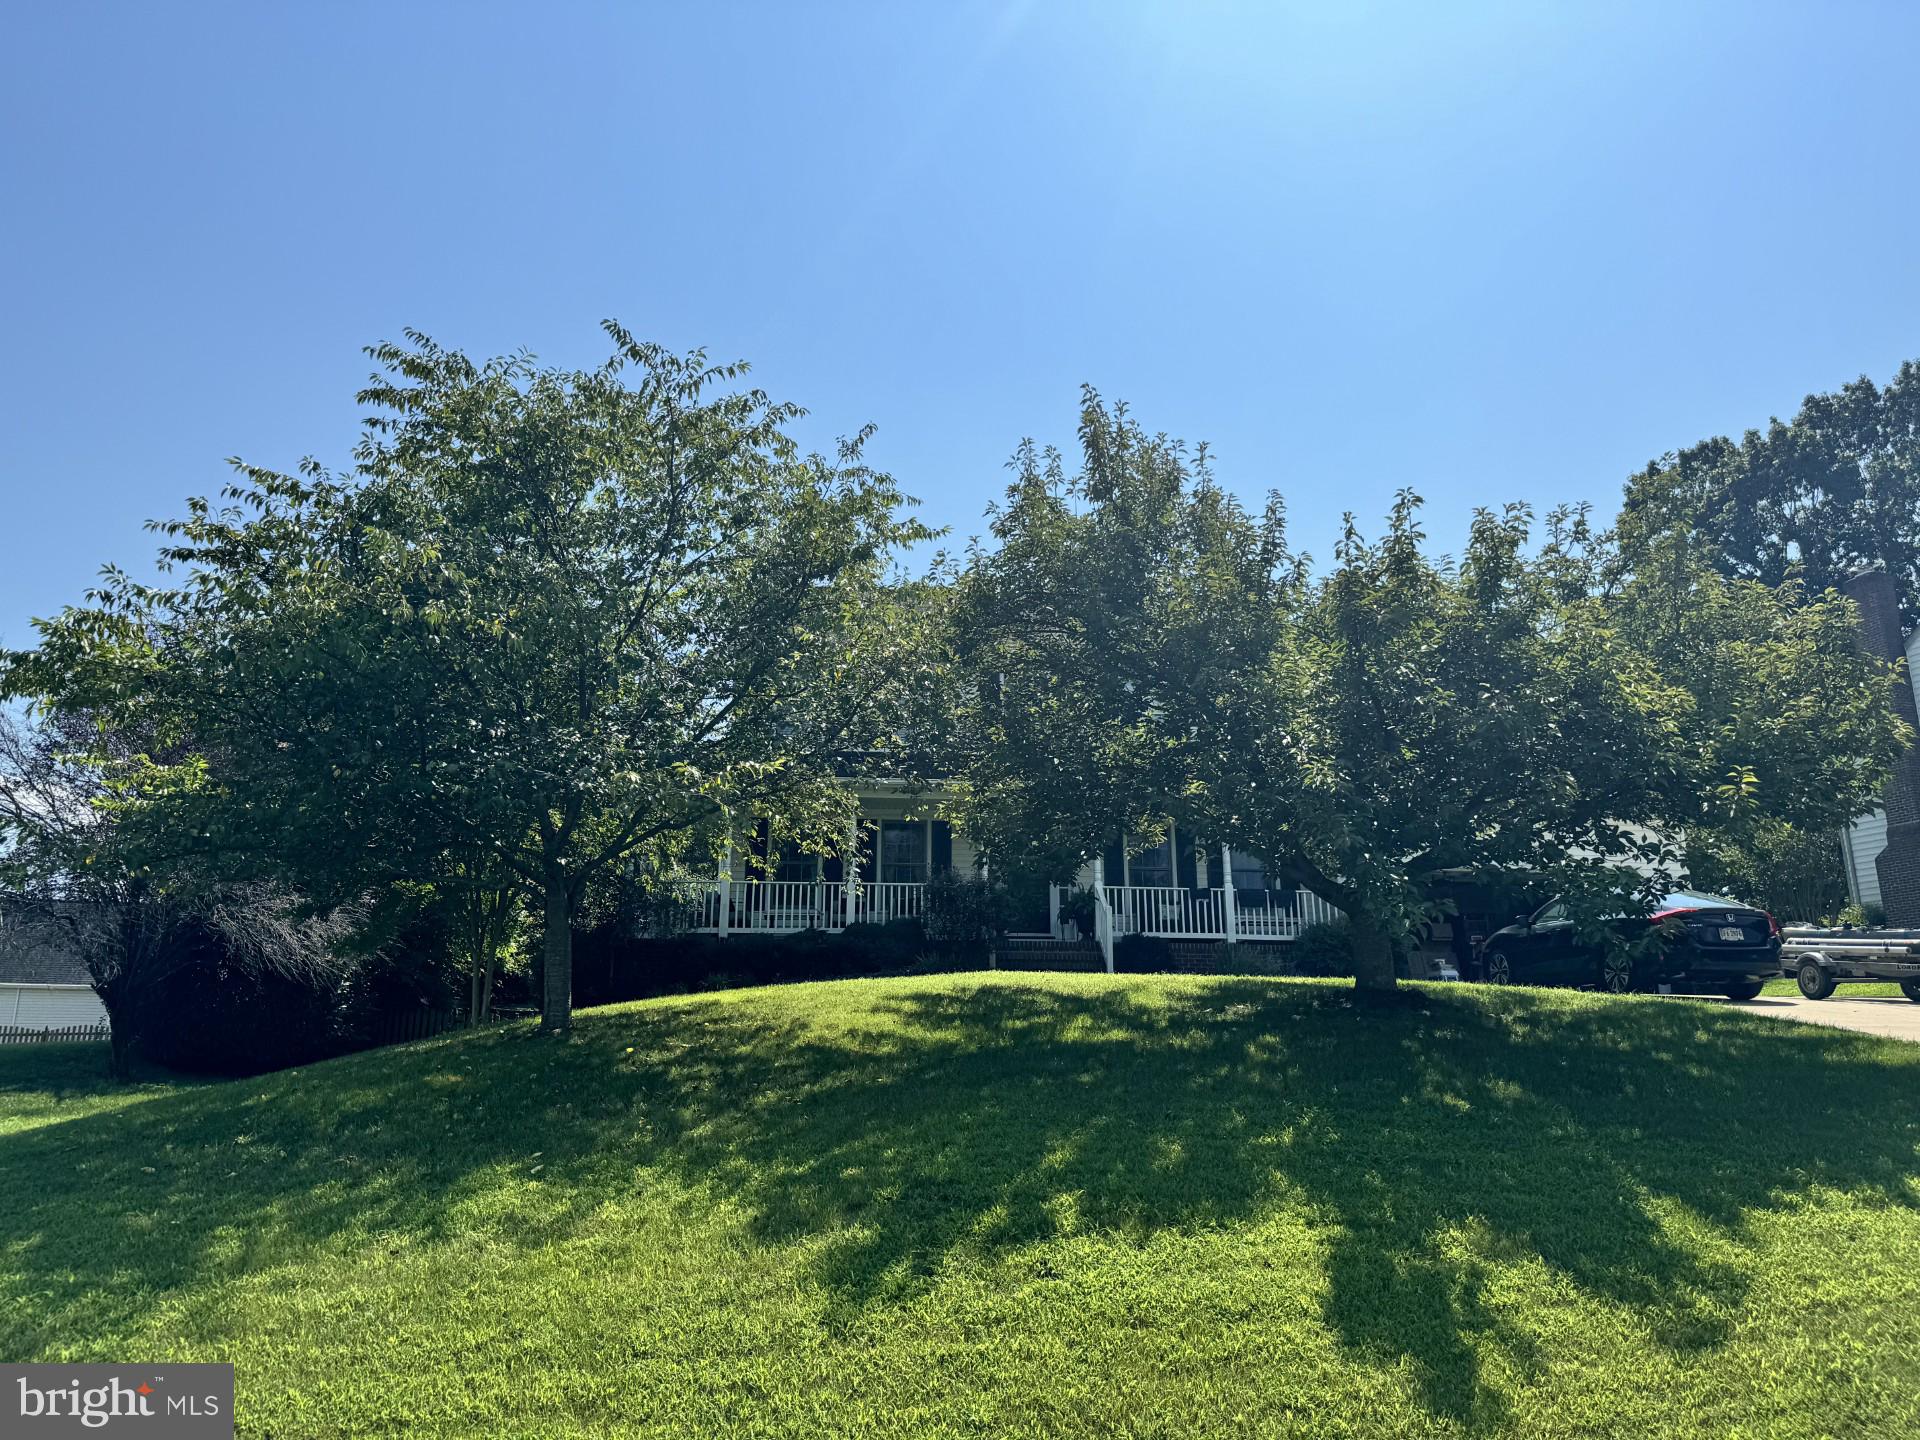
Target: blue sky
1492,252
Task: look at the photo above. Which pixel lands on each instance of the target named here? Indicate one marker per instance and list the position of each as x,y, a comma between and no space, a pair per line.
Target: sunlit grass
1008,1205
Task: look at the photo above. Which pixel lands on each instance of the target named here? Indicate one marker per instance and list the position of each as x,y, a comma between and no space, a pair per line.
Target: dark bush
1326,949
611,965
1323,949
219,1011
1141,954
1250,958
211,1016
965,916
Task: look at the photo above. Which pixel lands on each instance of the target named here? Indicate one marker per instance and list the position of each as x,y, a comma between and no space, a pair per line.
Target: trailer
1821,960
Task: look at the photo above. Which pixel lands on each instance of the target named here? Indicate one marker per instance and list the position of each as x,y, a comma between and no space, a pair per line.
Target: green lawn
1786,986
1008,1205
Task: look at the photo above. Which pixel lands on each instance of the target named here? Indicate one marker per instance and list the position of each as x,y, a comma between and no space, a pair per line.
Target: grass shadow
901,1127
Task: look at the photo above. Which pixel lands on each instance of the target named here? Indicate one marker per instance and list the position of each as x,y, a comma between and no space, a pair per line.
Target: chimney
1878,597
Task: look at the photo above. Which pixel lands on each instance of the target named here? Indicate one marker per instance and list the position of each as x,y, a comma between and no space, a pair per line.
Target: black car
1707,943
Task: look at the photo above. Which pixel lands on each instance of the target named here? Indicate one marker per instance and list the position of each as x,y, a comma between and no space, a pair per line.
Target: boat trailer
1822,960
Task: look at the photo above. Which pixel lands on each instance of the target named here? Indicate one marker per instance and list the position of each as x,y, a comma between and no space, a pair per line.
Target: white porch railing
779,907
1175,913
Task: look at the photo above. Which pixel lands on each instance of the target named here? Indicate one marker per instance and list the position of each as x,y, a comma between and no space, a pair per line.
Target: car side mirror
1522,919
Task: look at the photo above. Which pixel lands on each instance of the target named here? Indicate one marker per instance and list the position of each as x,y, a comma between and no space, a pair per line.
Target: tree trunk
119,1028
120,1051
1372,956
556,980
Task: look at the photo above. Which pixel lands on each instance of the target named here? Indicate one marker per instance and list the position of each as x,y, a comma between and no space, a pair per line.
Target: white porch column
1227,908
850,870
726,884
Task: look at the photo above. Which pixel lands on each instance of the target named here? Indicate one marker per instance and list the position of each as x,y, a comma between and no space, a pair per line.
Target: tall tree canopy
1144,648
555,622
1817,499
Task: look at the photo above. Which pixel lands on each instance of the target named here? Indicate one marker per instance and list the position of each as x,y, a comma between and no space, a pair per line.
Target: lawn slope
1033,1205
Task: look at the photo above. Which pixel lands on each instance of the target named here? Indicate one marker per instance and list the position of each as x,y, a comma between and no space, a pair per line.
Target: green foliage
964,916
1812,501
1862,916
1792,873
1324,949
555,622
1032,1205
1077,906
1142,955
1784,720
1145,649
617,965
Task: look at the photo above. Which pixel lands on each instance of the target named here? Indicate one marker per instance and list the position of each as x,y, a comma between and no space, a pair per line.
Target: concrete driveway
1896,1016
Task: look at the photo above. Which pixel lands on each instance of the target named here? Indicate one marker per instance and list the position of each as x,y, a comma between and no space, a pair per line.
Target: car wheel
1815,983
1499,972
1616,974
1911,989
1745,990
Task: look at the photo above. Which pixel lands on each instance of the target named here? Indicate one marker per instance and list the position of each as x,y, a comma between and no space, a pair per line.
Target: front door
1027,902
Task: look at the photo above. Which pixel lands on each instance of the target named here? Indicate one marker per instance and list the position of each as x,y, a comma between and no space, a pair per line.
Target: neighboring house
1862,842
44,983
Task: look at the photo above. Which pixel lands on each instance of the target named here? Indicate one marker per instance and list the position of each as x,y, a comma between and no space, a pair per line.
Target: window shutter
1185,861
1116,864
942,847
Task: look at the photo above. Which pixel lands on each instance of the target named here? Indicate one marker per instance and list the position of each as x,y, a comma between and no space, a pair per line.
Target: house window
796,867
1152,867
1249,871
903,852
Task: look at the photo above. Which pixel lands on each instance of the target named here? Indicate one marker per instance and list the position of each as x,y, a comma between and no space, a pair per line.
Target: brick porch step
1042,952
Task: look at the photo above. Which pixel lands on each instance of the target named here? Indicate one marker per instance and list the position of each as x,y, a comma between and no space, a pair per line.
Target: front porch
1173,889
1171,912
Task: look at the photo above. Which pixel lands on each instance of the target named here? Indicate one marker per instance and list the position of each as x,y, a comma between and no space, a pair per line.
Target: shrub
210,1015
237,1007
964,915
611,964
1258,959
1324,949
1141,954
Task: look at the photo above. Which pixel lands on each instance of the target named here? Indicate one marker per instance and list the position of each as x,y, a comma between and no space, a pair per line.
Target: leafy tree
71,867
1145,648
1785,735
1111,605
1792,871
1835,490
553,621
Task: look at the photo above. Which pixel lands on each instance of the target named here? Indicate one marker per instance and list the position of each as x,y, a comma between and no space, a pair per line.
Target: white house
1862,841
43,982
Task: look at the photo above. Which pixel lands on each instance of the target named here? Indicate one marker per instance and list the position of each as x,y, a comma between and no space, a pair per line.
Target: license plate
1732,932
